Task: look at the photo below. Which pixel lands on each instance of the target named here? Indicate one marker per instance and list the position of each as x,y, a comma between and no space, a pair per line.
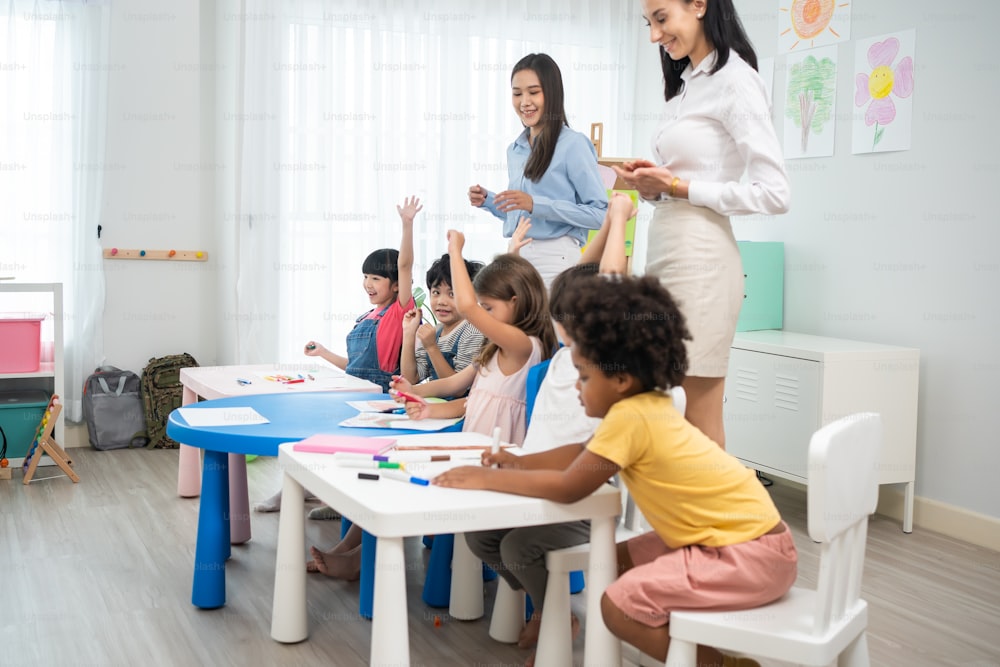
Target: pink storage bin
20,342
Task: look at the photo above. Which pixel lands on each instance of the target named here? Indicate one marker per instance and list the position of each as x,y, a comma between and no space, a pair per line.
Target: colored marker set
286,379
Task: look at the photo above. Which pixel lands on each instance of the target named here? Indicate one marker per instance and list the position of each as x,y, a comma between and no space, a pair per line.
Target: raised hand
519,238
411,206
456,241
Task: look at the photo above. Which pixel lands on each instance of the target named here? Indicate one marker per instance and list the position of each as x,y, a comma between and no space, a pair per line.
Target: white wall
896,248
901,248
160,193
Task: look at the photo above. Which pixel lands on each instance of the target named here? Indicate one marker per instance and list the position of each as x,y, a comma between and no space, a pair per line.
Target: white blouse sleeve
746,117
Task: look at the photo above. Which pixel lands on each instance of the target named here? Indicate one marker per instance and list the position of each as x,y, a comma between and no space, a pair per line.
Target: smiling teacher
552,170
716,129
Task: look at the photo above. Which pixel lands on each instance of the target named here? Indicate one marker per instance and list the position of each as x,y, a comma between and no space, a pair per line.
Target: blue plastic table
291,417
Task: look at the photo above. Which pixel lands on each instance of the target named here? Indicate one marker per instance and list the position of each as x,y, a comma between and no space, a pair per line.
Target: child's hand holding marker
416,407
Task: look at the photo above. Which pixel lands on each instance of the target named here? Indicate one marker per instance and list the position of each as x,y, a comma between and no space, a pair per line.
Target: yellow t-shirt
688,489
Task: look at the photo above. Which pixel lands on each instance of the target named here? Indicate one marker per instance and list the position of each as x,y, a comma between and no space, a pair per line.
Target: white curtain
347,107
53,87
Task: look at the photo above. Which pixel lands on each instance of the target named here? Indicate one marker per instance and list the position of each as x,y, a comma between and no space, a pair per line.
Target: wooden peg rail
171,255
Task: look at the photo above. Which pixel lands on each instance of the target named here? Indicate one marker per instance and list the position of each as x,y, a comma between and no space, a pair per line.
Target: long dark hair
724,31
554,116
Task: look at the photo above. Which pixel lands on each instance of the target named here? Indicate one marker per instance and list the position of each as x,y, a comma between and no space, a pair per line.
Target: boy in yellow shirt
718,542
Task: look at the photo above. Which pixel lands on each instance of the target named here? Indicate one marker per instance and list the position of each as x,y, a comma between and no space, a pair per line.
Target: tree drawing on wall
810,95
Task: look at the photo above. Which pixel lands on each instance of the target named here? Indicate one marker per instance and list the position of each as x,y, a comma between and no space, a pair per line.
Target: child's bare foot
324,513
529,633
273,504
346,565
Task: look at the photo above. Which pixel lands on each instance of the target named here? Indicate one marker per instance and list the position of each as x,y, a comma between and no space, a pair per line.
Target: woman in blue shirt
553,173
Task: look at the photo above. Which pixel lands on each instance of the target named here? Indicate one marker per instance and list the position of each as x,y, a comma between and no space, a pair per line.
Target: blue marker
243,382
401,476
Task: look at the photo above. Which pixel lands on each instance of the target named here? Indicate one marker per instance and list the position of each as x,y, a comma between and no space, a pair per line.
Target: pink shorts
739,576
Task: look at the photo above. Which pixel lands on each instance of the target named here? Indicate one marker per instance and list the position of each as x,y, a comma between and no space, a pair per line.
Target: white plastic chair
555,639
809,627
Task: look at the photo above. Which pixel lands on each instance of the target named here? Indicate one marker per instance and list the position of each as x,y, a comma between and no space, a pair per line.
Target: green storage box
20,414
764,288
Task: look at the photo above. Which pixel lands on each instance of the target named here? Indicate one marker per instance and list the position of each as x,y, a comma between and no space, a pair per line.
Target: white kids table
391,510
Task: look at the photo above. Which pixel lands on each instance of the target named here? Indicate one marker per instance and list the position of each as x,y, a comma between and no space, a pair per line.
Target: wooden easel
47,444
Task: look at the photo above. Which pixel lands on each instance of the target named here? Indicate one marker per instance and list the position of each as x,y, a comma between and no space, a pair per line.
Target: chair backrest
843,492
632,517
532,384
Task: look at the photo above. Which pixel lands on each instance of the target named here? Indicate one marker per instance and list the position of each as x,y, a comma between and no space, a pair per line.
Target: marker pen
495,446
357,456
401,476
368,475
378,465
242,382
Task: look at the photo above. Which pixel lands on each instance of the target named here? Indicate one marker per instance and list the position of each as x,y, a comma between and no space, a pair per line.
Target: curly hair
440,271
504,278
629,325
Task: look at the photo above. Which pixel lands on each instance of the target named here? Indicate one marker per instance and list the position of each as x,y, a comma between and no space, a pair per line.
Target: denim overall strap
362,352
449,355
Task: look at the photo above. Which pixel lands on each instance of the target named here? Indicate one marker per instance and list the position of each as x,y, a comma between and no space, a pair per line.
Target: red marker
408,397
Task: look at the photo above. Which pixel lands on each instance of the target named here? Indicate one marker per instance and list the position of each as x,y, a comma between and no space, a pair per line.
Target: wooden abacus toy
44,443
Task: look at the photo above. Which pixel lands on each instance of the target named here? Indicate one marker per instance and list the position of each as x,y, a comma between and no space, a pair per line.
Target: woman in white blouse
716,128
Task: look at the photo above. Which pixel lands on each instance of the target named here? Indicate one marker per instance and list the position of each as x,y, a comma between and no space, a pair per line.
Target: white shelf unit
48,298
783,386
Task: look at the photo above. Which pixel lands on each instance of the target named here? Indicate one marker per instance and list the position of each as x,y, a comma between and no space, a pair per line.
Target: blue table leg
366,595
437,582
212,549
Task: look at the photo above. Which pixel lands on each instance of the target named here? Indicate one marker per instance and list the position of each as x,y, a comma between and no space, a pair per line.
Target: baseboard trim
951,520
955,522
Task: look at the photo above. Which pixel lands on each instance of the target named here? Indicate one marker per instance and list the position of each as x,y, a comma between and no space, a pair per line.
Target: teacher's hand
651,181
514,200
477,195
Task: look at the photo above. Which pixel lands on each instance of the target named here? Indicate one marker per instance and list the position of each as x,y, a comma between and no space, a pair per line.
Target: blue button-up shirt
569,199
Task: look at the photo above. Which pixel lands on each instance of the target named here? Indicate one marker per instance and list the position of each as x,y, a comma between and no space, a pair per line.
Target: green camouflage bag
162,392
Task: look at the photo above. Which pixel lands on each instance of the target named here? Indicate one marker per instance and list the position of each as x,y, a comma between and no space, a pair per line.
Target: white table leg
289,623
466,601
239,500
908,508
602,648
188,460
390,634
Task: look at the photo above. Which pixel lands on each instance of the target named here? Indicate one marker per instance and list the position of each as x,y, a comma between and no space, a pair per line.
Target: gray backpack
112,408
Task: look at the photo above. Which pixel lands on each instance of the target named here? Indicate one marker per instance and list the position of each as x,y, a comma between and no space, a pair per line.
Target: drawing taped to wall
883,93
806,24
810,103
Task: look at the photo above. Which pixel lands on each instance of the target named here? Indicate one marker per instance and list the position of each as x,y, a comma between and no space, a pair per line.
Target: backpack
112,409
162,392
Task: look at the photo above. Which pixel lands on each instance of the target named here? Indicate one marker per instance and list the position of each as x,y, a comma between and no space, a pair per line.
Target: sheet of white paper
221,416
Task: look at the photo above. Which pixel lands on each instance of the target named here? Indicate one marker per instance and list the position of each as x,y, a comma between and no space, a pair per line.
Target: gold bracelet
673,185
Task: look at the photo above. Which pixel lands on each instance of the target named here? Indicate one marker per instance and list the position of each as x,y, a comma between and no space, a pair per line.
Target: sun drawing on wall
811,23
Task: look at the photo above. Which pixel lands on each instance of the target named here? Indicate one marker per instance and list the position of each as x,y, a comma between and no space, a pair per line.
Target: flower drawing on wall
885,81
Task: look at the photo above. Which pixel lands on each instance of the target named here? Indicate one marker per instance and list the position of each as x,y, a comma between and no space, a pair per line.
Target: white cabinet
47,298
783,386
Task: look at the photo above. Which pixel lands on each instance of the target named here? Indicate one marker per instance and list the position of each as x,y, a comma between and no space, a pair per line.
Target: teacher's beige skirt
693,252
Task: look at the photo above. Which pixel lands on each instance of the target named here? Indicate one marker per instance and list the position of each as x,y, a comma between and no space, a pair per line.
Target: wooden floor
99,573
